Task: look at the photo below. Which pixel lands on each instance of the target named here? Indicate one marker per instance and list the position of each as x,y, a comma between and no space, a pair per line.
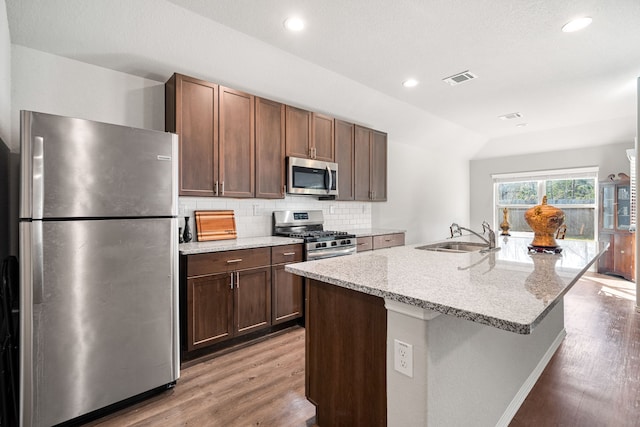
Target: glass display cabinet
615,221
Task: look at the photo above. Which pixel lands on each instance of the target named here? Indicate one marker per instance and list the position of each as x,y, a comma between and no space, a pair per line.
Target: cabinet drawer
364,244
388,240
220,262
286,253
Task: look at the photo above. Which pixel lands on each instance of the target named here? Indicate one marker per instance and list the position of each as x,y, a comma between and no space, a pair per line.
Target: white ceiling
523,61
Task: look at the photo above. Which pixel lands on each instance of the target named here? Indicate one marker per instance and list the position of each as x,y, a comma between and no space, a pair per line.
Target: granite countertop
366,232
233,244
508,289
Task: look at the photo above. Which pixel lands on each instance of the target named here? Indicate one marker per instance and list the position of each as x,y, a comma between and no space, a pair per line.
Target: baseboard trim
524,391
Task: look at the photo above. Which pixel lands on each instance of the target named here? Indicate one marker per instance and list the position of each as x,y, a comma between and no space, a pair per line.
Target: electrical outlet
403,358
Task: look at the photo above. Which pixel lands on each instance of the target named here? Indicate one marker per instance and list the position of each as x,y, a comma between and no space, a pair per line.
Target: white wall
57,85
609,158
427,190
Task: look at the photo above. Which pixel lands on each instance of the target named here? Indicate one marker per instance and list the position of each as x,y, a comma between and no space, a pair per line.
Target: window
573,191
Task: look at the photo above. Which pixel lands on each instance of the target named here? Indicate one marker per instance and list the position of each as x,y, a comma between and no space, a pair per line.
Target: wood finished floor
592,380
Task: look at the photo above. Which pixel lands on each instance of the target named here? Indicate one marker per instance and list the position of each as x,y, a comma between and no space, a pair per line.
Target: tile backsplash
254,216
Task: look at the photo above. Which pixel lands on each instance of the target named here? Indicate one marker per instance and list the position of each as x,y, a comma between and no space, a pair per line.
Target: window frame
541,177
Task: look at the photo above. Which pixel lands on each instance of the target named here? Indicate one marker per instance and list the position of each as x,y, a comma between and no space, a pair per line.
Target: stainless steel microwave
305,176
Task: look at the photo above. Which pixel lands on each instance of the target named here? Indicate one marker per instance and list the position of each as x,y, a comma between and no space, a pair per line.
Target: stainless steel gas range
309,226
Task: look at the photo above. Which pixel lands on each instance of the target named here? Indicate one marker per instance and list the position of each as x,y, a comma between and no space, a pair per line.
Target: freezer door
99,314
74,168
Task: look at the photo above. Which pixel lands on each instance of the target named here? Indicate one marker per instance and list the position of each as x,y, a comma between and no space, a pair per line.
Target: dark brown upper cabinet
237,144
322,138
308,135
270,154
191,111
370,166
298,133
344,146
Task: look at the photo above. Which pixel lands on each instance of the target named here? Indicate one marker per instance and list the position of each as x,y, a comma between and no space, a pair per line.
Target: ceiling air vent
462,77
510,116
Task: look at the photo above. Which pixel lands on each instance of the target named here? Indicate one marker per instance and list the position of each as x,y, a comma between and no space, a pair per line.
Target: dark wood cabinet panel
362,165
341,326
344,157
364,243
370,174
237,143
614,223
322,140
222,262
270,149
378,166
388,240
252,300
209,310
298,132
191,111
286,288
287,296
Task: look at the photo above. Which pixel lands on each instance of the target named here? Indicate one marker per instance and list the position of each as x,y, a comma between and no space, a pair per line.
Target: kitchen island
479,329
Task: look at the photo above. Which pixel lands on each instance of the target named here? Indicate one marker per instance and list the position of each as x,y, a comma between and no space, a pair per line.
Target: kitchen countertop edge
193,248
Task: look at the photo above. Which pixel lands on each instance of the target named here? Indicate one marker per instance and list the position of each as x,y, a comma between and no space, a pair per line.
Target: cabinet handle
288,253
387,240
621,252
232,261
231,282
284,188
360,244
222,193
216,193
237,280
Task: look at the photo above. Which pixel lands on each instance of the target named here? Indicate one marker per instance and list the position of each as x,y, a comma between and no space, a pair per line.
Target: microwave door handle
330,179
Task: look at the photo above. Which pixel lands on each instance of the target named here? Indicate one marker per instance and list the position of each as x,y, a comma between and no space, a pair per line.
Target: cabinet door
344,140
607,200
606,261
298,132
378,166
209,310
192,113
362,164
322,141
287,299
270,154
237,144
623,211
624,255
252,300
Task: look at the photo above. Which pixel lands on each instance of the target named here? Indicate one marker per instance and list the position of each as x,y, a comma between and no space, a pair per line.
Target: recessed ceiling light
521,125
577,24
410,83
294,24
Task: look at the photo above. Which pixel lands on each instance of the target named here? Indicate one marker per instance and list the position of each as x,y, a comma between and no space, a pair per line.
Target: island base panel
346,333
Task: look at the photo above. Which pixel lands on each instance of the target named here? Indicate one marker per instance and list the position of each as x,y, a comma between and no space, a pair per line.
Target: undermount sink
454,247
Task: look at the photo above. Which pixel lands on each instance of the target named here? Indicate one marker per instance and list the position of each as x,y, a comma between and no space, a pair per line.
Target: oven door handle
331,252
330,179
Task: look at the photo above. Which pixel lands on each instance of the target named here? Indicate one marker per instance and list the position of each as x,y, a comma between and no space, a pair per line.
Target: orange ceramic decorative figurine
544,220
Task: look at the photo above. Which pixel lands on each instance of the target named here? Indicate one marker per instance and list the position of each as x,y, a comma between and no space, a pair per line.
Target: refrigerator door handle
38,263
37,160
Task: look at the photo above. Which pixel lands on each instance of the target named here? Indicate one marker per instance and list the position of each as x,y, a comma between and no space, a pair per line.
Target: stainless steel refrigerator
98,265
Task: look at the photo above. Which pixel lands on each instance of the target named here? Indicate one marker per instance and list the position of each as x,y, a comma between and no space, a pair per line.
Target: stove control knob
318,245
324,245
334,243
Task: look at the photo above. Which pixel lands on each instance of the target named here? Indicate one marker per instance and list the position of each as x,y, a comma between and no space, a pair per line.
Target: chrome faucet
457,230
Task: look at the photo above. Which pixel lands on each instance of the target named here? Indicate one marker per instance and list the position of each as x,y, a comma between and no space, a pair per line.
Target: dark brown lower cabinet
252,306
346,356
620,258
228,294
210,310
287,289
